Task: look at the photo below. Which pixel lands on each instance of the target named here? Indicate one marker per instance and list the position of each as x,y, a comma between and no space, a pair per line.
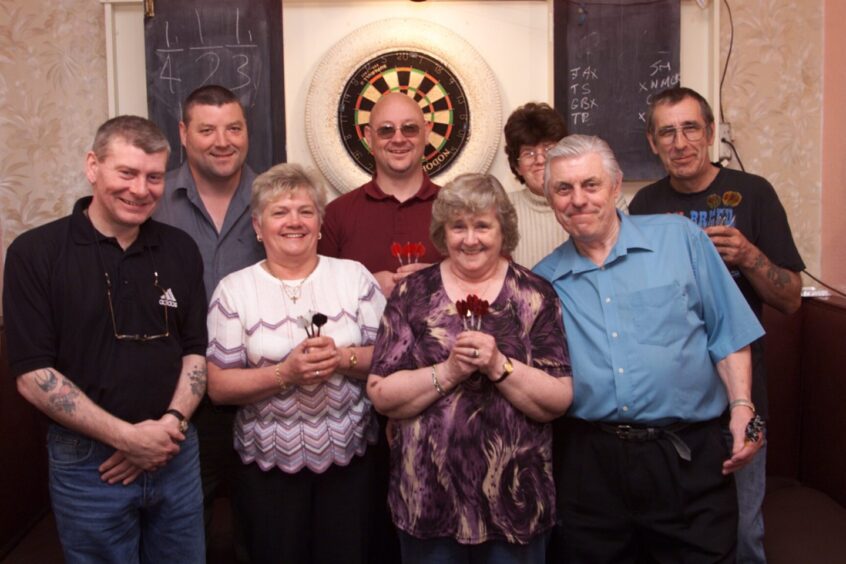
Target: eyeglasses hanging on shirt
143,338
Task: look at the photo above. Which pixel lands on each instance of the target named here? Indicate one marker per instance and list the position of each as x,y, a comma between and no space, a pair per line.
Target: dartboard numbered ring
454,87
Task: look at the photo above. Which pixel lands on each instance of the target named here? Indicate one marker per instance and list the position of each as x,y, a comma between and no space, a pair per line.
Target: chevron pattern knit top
253,323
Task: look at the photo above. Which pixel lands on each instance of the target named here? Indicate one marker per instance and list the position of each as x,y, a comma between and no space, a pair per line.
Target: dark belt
643,434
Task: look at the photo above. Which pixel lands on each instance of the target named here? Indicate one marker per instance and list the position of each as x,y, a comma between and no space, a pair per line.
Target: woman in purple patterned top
470,396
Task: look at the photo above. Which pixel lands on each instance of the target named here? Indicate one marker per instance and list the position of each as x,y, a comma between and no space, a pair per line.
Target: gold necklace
292,291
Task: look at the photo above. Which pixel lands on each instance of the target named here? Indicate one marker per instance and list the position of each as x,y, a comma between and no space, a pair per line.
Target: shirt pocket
657,316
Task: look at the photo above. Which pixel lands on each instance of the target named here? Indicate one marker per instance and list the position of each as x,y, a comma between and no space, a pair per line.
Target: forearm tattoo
61,393
778,277
197,378
46,380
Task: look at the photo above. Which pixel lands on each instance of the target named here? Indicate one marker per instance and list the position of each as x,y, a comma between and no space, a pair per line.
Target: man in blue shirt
659,337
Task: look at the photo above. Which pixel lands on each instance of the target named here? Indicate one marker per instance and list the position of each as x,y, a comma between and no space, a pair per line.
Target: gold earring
319,236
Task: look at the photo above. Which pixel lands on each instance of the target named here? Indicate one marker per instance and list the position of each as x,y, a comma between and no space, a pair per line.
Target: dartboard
425,79
427,61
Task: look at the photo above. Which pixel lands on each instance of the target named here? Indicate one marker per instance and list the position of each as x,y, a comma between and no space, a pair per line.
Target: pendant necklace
292,291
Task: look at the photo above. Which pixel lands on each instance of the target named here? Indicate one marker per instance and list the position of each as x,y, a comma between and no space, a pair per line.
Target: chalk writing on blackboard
611,56
582,100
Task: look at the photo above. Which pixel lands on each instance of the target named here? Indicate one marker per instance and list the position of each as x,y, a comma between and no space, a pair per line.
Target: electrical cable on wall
723,138
729,142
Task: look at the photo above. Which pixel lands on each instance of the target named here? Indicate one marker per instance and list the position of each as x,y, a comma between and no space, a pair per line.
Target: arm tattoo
777,276
197,378
64,400
46,380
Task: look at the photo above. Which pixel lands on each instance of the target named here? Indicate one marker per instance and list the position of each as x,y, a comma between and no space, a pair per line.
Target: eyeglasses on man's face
135,337
531,155
388,130
692,132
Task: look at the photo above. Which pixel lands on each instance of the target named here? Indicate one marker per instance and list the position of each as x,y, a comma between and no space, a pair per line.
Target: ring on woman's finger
475,353
317,372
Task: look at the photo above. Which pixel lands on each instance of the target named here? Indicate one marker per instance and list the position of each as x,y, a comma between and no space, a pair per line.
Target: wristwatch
183,422
507,369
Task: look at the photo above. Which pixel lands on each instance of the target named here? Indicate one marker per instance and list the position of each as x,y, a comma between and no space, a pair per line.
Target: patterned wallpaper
52,98
53,95
773,99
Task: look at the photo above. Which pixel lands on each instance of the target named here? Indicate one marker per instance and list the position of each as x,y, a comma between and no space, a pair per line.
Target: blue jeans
751,483
450,551
156,519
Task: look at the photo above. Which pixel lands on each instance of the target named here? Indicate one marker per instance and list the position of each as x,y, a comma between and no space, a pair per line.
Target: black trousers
306,517
626,501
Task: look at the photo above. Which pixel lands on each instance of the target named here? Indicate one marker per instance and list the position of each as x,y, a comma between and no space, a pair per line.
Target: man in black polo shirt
105,317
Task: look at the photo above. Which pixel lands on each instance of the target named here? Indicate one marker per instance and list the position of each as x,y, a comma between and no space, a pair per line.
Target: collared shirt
647,328
235,247
363,224
57,312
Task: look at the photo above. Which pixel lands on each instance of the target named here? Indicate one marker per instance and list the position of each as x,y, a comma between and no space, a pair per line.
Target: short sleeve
547,337
730,322
393,346
30,332
227,336
371,305
774,237
193,335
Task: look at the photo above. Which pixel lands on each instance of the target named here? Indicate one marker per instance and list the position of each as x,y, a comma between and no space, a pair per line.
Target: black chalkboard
610,57
233,43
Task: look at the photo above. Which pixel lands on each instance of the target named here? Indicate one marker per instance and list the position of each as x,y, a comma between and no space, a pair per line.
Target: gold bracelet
283,387
353,359
436,383
742,402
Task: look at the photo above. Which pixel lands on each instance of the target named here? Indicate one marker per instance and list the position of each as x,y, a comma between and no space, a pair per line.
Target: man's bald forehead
394,99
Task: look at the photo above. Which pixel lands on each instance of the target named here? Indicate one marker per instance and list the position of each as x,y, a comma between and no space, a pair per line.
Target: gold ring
475,353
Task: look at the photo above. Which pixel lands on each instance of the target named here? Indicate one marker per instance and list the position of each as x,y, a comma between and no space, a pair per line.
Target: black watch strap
183,421
178,414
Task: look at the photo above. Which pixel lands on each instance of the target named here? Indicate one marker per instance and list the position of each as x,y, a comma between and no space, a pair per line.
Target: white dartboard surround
385,36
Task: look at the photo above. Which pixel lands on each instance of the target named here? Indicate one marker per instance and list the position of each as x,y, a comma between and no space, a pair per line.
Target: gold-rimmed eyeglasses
136,337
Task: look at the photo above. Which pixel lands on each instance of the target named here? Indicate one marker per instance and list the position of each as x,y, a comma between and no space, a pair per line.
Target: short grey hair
136,131
473,193
285,179
576,146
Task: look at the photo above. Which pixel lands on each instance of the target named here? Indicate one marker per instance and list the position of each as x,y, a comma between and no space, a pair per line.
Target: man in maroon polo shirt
396,205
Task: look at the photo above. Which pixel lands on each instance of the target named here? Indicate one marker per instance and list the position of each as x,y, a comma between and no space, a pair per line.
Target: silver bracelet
742,402
436,383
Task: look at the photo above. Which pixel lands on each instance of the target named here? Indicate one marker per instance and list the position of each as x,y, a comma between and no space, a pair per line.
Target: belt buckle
624,432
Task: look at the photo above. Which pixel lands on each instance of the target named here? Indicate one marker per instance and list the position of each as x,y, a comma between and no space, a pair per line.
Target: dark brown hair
529,125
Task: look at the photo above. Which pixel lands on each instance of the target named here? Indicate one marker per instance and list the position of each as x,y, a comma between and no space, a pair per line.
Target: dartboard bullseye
425,79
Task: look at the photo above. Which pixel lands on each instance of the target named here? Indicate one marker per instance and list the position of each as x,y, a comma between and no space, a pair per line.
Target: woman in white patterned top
304,422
